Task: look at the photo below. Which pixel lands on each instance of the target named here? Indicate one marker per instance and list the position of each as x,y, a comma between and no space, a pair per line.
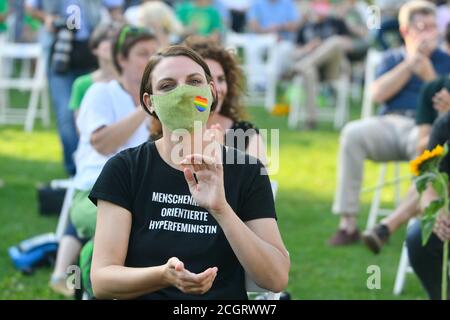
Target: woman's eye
195,81
166,87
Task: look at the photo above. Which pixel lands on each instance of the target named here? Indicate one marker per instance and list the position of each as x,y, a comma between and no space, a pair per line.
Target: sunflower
424,157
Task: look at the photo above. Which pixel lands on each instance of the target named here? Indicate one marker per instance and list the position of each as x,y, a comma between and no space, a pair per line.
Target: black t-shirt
322,30
238,136
440,134
166,222
426,113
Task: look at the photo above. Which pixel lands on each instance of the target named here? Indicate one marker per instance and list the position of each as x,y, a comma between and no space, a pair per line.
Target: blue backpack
31,253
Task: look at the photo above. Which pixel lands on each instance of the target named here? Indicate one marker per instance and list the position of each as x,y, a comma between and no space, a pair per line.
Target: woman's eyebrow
194,74
165,79
188,76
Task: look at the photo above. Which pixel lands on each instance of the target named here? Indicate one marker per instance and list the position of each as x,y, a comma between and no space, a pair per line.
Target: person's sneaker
375,238
343,238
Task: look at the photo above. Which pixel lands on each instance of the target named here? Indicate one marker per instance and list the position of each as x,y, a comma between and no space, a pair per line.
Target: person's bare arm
256,243
393,81
427,197
108,139
112,280
390,83
290,26
442,225
423,137
441,101
255,27
302,51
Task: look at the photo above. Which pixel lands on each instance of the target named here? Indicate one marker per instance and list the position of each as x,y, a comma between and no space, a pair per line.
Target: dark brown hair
126,39
232,107
172,51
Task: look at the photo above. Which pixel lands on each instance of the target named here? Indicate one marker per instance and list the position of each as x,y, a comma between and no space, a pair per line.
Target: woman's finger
200,277
206,162
173,262
189,177
190,278
199,288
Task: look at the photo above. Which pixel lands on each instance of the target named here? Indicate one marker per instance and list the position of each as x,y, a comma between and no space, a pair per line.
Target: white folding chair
337,114
373,59
33,82
251,287
404,266
63,220
259,56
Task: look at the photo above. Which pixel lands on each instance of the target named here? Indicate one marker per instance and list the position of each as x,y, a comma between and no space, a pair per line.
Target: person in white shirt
110,120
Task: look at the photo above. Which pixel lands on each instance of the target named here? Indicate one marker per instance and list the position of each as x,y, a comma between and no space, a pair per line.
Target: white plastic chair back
372,61
33,82
258,54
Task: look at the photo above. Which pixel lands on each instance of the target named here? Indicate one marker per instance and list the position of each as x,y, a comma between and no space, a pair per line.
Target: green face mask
182,106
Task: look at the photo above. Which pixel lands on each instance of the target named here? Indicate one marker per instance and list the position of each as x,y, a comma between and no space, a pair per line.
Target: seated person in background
109,121
158,17
200,18
354,13
426,261
388,35
274,16
100,45
148,242
322,46
63,71
392,136
280,18
224,13
434,102
228,118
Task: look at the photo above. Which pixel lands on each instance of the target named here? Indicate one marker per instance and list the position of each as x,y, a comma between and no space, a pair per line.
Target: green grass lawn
306,183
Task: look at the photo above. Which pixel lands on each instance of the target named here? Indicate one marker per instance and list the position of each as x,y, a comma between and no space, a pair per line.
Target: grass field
306,183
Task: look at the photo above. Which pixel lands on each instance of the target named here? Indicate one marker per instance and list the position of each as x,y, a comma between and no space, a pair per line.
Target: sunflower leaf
422,182
429,218
439,188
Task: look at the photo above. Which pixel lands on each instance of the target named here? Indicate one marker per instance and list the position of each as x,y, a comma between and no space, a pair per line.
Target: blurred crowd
94,73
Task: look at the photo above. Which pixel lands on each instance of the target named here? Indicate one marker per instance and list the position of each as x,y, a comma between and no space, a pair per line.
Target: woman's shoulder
129,163
139,153
239,161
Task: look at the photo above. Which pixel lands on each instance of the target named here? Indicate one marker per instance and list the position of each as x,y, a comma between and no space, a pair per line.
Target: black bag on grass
50,200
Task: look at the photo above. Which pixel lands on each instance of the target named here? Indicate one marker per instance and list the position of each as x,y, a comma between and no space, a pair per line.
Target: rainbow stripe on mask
200,103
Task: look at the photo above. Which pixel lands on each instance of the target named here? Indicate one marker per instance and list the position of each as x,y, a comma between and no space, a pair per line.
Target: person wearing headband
109,121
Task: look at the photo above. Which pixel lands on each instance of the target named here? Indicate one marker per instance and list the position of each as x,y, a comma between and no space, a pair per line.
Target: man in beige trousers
392,135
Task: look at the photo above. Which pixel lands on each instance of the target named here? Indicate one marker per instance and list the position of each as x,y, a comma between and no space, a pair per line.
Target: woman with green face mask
229,119
188,227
